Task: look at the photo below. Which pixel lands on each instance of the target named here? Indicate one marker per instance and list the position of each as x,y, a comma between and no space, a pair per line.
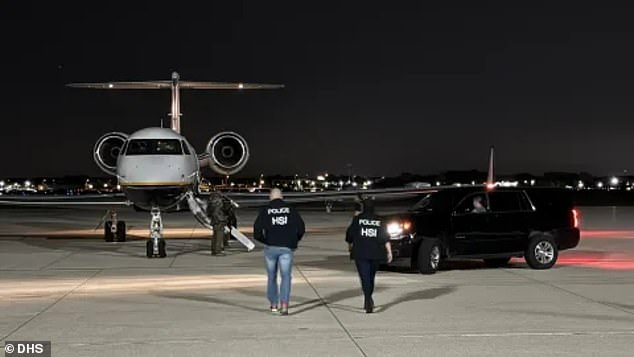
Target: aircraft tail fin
490,175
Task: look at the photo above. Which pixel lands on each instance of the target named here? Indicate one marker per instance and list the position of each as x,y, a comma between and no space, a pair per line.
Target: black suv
494,225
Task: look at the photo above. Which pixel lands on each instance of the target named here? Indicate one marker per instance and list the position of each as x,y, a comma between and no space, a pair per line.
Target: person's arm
388,247
350,234
301,227
259,228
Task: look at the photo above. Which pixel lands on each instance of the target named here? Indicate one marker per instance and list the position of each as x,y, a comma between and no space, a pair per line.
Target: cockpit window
154,147
185,147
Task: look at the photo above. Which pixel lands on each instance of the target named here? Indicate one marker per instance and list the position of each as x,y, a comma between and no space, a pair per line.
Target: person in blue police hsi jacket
370,245
280,228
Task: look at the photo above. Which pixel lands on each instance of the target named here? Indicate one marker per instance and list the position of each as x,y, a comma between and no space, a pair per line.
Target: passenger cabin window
154,147
507,201
473,203
185,147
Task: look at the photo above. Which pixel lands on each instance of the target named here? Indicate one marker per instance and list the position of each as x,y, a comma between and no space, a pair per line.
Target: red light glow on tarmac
597,260
607,233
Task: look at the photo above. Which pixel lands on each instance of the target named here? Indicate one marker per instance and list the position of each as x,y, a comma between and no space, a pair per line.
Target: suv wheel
542,252
428,256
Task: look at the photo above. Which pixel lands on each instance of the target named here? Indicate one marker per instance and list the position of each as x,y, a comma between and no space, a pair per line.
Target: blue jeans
282,258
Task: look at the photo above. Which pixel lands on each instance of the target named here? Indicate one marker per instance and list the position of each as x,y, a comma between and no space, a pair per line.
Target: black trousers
218,239
367,272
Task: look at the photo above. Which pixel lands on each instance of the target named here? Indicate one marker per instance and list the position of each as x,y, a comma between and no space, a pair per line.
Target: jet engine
227,153
107,151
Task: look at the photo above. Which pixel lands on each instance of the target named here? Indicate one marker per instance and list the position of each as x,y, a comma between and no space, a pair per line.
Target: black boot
369,306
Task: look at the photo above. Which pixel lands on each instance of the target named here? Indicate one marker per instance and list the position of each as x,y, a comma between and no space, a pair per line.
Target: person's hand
389,257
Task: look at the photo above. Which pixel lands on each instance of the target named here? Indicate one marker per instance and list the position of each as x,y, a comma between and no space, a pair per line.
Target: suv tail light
575,218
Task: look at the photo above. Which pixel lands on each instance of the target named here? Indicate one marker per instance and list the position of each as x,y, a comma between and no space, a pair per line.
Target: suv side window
506,201
473,203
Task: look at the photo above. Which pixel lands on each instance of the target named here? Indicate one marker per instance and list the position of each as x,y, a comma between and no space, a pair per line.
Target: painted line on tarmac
522,334
332,313
50,306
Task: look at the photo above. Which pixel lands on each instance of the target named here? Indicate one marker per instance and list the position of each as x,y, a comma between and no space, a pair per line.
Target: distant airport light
27,183
1,183
354,184
321,178
532,182
110,85
614,181
600,184
240,86
580,185
105,185
437,183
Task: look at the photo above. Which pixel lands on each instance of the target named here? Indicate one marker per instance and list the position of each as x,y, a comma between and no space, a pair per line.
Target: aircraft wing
260,199
53,201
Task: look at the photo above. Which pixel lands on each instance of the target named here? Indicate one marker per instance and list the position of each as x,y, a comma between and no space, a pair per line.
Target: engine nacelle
107,151
228,153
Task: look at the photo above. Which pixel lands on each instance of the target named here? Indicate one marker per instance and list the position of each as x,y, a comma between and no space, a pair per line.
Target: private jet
159,170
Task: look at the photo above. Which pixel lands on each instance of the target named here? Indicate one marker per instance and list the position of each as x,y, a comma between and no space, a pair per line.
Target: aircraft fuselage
156,167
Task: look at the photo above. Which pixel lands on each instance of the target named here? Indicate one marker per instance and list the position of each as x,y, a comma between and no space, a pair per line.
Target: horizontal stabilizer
142,85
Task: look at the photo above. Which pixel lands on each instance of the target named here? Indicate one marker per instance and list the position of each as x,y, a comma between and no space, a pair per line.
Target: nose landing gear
155,245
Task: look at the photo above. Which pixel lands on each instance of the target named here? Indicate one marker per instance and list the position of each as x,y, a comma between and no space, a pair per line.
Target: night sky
390,88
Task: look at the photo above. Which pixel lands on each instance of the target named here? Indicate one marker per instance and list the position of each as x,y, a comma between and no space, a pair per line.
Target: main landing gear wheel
428,256
121,233
108,236
542,252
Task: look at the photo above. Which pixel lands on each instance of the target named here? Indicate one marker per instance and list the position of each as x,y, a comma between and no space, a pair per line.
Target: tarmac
60,282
